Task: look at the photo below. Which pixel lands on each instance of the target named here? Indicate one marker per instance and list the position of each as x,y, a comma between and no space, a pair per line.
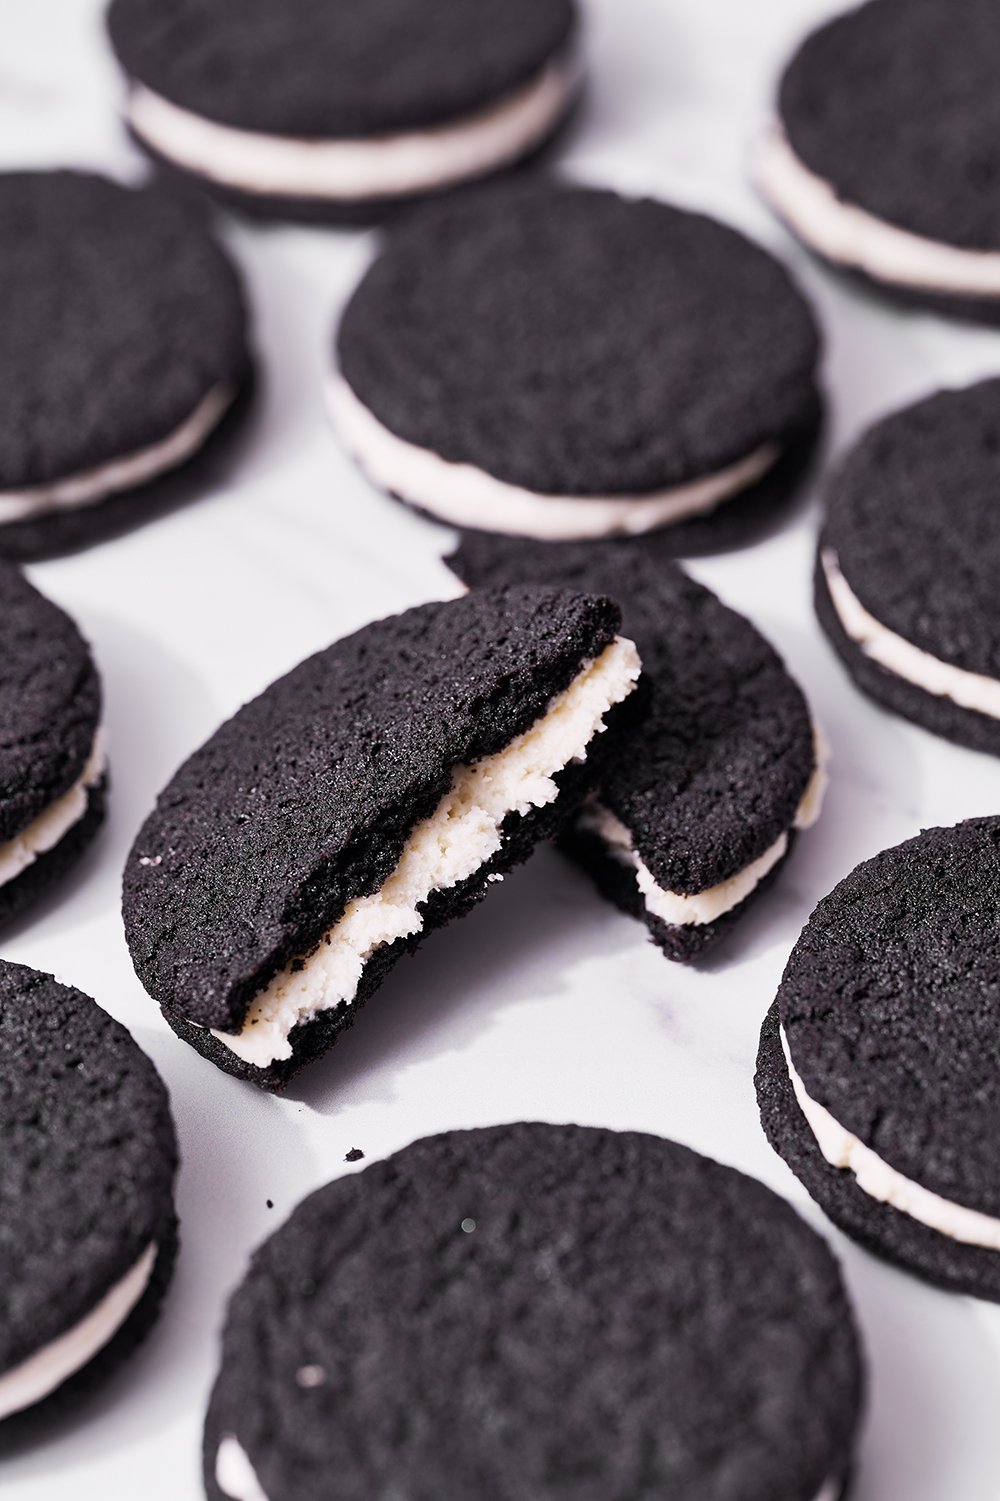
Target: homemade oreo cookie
558,362
886,150
123,357
909,556
53,765
88,1232
330,111
721,765
878,1061
369,796
535,1310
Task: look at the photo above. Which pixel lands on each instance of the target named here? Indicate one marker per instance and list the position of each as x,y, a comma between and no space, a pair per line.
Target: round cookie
908,561
880,1092
558,362
366,798
53,765
88,1233
886,147
536,1310
721,768
124,357
318,111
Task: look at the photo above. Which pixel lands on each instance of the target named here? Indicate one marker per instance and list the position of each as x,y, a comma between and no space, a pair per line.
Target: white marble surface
544,1003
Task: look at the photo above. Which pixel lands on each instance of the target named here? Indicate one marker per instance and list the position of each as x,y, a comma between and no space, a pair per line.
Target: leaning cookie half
877,1069
369,796
536,1310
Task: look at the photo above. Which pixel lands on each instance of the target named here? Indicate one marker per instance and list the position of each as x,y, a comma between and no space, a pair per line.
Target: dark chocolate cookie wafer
537,1310
367,797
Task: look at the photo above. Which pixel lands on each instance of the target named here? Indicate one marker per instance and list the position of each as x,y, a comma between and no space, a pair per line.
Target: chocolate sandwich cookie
878,1060
886,146
88,1232
335,112
53,764
369,796
721,765
535,1310
123,357
909,556
557,362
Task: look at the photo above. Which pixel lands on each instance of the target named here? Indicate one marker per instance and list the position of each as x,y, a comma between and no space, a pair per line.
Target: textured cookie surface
121,314
722,753
88,1159
539,1310
305,799
314,69
895,104
50,702
574,343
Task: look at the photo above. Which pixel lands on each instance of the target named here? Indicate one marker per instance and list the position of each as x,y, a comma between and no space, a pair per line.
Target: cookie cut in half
123,358
366,798
535,1310
885,153
88,1232
909,555
720,765
557,362
878,1061
326,110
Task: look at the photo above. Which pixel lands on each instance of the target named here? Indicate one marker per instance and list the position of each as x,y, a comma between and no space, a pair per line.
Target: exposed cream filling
459,837
465,496
385,166
690,910
880,1181
49,1367
56,820
970,690
852,237
120,474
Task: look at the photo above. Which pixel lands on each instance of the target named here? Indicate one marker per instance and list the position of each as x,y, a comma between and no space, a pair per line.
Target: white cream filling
882,1182
56,820
459,837
49,1367
386,166
969,690
465,496
120,474
692,910
850,236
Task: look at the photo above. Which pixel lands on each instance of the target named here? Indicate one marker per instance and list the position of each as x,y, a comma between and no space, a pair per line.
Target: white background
545,1003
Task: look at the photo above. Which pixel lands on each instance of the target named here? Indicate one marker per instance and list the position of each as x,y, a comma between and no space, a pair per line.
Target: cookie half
720,765
537,1310
53,762
878,1059
311,110
123,360
886,144
366,798
908,561
88,1232
558,362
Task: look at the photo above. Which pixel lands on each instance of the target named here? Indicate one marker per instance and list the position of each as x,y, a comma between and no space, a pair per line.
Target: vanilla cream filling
459,837
49,1367
969,690
56,820
852,237
465,496
880,1181
683,910
385,166
120,474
